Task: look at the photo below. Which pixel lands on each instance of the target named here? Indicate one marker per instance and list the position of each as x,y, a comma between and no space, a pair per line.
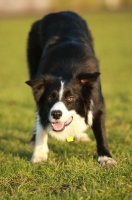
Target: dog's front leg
104,156
41,147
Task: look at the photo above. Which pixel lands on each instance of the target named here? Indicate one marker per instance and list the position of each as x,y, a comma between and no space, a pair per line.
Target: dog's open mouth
60,126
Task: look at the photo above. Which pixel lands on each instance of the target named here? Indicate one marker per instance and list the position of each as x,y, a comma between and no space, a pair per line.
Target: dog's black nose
56,114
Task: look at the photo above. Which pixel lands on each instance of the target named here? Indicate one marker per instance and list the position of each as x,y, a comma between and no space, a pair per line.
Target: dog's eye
70,99
50,98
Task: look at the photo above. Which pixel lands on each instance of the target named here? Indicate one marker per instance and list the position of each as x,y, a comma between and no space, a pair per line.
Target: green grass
72,171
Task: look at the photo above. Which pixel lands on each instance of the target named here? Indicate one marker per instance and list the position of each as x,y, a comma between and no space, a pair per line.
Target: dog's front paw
39,156
106,161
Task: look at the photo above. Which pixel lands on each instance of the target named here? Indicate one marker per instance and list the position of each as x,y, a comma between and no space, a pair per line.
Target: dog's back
54,29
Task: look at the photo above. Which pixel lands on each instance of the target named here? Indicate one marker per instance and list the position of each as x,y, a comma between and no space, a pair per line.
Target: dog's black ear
37,87
87,78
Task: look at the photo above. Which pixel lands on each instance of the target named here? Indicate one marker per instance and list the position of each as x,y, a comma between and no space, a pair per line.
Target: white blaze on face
60,106
61,90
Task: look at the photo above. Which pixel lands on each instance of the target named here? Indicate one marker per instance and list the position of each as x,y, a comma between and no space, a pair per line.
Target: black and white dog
64,76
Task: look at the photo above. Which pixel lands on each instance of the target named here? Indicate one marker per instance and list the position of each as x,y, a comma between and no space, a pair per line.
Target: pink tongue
58,126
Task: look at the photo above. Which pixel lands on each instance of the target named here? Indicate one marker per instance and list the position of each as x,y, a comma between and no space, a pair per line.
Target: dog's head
59,100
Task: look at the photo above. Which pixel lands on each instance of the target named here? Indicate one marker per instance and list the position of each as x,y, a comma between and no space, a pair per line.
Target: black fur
60,47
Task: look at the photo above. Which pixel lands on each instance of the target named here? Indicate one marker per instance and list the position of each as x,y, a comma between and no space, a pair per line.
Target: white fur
41,148
106,161
61,90
90,118
90,114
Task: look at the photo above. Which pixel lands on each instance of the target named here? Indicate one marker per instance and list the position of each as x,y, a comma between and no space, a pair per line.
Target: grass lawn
72,171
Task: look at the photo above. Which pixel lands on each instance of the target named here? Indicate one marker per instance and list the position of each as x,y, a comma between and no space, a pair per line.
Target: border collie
64,77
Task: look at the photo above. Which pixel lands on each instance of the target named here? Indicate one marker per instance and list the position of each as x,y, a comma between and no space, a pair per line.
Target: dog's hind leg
32,140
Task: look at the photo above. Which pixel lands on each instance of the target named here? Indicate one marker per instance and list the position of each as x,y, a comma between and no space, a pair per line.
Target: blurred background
19,7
